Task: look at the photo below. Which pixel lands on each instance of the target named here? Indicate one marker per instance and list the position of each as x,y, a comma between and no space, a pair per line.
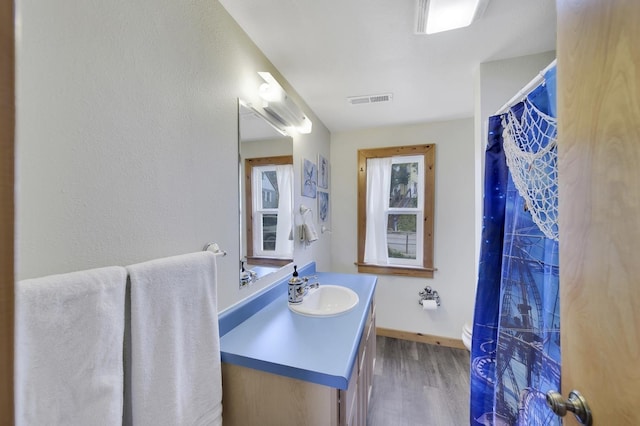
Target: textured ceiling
332,49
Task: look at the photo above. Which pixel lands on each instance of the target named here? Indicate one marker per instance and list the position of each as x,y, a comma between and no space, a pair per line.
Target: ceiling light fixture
279,105
434,16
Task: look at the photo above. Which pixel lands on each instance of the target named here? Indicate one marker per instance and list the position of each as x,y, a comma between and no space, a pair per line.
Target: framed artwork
309,179
323,206
323,172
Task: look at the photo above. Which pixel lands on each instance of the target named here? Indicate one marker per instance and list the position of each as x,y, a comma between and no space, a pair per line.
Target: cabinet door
368,354
349,400
253,397
354,402
371,350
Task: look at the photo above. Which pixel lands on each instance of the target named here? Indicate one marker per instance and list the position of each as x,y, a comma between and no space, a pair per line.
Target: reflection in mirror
266,193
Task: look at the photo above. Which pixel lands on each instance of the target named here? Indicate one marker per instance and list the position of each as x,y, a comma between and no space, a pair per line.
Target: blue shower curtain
515,353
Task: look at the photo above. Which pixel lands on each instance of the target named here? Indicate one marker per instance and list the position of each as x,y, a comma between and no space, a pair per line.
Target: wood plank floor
416,384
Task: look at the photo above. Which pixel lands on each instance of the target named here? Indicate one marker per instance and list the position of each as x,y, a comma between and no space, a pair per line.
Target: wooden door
7,125
599,181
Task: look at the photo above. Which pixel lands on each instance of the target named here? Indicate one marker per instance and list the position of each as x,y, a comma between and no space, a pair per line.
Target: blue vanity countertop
318,350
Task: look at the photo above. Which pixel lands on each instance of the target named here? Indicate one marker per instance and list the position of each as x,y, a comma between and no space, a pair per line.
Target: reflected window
269,213
269,226
266,211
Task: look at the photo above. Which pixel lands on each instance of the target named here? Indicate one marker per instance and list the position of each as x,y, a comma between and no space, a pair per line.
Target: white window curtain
256,185
378,188
284,176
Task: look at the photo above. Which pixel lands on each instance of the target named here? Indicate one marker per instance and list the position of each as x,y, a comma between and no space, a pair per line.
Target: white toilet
467,331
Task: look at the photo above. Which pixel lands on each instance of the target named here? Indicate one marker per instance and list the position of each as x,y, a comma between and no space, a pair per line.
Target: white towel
175,346
69,334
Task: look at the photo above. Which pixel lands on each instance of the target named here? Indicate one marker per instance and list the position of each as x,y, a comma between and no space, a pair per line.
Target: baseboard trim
421,338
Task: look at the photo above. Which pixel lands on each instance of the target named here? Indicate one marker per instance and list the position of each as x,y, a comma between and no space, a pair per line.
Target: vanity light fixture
279,105
434,16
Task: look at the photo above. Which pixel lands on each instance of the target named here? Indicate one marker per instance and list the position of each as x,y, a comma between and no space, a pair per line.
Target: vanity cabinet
252,397
354,402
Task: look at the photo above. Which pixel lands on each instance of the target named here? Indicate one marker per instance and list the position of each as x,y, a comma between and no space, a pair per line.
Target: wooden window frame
249,164
7,210
427,268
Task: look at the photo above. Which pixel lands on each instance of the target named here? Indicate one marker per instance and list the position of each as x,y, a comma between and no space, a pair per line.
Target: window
395,210
269,210
266,209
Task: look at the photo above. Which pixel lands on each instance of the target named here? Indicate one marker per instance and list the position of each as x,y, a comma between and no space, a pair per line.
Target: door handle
576,403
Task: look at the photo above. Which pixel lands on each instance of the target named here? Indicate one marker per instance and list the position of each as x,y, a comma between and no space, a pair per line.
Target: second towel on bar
175,346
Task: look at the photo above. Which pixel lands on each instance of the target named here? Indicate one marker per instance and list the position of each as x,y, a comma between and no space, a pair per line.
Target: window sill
406,271
267,261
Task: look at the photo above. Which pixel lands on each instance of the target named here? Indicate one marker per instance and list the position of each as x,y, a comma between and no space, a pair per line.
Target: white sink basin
326,301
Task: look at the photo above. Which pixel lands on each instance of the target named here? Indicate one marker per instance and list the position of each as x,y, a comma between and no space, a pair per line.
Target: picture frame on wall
309,179
323,206
323,172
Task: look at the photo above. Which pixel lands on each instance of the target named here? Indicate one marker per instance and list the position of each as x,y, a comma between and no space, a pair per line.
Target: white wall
127,150
127,134
267,148
397,297
496,83
320,250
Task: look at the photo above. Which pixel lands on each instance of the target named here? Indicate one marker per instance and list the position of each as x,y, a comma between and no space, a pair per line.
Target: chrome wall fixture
429,294
214,248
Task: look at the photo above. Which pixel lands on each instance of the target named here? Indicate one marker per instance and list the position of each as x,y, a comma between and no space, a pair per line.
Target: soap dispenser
245,277
295,287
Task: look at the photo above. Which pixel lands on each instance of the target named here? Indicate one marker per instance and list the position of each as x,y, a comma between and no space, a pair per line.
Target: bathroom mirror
262,146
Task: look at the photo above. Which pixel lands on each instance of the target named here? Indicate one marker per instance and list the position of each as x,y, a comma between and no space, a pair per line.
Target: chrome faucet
306,284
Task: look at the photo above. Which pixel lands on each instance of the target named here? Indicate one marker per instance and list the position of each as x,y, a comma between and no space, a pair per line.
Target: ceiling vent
370,99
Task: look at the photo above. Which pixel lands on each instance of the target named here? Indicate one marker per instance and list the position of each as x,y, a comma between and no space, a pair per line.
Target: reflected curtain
256,194
284,176
515,353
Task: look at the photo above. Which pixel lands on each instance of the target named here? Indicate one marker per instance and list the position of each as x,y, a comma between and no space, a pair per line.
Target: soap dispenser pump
295,286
